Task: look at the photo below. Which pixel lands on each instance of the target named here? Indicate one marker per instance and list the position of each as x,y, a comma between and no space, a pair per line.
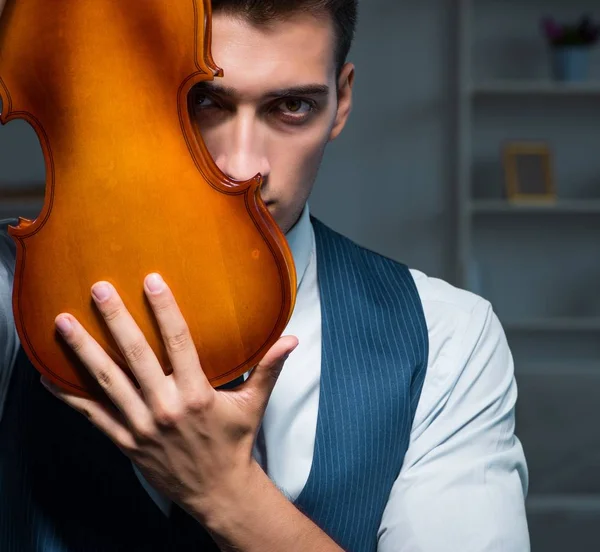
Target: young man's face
276,107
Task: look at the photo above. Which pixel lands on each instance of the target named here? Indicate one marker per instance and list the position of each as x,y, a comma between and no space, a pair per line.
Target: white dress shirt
9,340
463,481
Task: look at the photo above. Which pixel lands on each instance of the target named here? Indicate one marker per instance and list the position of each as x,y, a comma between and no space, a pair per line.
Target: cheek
214,139
295,157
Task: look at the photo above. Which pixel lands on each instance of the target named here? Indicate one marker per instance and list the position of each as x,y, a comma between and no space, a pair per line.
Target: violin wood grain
131,188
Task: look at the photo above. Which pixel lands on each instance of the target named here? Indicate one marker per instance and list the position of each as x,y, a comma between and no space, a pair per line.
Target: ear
344,95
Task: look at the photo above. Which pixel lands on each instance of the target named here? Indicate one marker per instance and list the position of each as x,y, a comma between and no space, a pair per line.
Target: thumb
263,378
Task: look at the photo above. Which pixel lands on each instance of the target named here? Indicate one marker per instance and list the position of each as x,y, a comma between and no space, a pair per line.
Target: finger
263,378
131,341
106,419
176,336
113,381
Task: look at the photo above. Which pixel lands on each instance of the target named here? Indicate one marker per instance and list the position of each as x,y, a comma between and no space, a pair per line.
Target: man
390,427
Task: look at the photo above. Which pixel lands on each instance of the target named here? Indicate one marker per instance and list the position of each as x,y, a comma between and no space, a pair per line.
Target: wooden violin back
131,188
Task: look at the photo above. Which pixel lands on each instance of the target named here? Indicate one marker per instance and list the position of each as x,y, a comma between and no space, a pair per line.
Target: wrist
255,516
231,507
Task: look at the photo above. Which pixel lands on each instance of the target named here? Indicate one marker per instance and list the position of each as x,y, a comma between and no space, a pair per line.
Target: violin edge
251,188
208,57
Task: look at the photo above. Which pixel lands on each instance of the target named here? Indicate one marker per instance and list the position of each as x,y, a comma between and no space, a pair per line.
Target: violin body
131,188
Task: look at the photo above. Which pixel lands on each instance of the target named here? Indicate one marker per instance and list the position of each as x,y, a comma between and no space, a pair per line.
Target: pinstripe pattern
374,357
64,487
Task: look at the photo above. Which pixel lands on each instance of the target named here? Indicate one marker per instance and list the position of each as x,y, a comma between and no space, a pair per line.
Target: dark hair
260,12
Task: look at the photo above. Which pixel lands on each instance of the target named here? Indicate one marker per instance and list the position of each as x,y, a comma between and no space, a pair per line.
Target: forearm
261,519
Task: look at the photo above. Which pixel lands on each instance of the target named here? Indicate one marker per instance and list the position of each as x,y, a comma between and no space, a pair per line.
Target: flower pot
570,63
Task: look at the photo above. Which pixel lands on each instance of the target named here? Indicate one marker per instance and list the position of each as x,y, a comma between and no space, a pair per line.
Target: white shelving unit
473,89
542,260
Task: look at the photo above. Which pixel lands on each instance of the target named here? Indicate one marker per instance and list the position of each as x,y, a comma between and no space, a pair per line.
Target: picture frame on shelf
528,170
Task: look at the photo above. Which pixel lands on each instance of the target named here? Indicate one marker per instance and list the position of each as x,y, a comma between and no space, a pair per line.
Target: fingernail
155,283
63,324
101,291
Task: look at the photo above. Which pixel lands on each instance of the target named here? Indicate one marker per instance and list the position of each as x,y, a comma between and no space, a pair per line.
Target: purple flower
583,33
552,29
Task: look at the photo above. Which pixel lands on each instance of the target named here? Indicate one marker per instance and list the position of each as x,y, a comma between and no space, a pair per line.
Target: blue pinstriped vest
65,488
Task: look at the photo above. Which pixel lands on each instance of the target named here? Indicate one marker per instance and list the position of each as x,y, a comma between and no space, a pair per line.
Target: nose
242,153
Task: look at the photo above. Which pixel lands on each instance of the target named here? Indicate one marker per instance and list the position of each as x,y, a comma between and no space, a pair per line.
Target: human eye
202,101
295,110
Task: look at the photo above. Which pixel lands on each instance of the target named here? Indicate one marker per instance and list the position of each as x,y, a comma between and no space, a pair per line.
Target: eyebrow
303,90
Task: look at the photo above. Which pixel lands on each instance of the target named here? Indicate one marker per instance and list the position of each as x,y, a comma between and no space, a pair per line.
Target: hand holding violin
187,438
191,441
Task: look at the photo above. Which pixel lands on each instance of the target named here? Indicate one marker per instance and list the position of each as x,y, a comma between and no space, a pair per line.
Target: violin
131,188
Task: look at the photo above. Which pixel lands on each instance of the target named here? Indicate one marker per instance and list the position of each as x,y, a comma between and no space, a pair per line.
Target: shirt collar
299,239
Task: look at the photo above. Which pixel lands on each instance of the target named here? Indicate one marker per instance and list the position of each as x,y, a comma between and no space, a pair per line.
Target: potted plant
570,44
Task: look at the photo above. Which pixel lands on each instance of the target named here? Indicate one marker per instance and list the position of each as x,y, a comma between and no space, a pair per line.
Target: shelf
569,367
560,207
538,87
558,324
557,503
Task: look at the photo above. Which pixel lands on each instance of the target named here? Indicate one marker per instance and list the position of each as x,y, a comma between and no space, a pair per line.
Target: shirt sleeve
464,479
9,341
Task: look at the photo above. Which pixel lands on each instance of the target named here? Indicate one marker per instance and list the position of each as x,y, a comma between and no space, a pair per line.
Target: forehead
294,51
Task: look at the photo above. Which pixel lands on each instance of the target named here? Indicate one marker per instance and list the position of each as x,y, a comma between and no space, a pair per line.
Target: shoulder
443,302
468,349
457,319
373,279
332,244
447,308
452,312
